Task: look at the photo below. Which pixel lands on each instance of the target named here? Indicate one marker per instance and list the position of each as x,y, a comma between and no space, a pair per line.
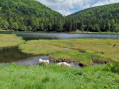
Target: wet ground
10,55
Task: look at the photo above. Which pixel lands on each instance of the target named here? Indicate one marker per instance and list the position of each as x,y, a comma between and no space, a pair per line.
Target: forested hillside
28,15
101,18
31,15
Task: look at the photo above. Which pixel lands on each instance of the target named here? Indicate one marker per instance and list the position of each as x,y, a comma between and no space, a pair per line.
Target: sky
67,7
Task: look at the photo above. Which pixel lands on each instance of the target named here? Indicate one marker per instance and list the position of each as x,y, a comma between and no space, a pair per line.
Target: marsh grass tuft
8,40
114,67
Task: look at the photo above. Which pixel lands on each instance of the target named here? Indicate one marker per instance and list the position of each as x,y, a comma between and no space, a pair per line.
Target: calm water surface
13,54
10,55
46,35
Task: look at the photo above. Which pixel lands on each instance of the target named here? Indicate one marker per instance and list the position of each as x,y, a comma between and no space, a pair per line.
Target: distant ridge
109,11
100,18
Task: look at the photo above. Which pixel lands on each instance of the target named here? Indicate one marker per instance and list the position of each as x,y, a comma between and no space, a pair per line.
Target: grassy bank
82,50
9,40
54,77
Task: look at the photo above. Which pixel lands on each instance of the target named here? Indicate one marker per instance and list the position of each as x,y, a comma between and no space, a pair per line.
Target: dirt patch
99,61
67,60
60,60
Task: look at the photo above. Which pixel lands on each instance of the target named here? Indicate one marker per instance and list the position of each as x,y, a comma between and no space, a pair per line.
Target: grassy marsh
56,77
69,49
8,40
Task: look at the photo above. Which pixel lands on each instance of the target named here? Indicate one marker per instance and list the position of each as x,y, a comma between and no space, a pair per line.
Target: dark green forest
102,18
31,15
28,15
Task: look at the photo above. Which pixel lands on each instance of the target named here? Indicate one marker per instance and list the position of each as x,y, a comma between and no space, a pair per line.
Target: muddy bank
99,61
68,61
95,61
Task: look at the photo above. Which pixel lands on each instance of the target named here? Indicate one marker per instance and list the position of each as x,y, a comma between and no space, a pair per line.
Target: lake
49,35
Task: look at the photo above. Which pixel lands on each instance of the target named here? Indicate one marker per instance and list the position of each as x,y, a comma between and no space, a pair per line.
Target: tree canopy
101,18
31,15
27,15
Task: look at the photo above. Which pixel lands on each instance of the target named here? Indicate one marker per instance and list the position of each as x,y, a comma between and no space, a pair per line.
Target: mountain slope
101,18
106,12
26,15
27,7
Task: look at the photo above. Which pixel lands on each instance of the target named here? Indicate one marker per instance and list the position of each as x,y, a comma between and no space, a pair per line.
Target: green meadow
55,77
51,76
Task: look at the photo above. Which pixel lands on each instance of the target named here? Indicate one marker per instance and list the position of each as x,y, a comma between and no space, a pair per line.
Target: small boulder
64,64
41,61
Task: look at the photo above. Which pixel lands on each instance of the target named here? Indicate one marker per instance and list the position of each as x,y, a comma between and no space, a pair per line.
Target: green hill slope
106,12
31,15
101,18
26,15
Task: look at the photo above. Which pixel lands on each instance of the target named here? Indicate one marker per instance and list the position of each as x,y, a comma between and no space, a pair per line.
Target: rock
64,64
81,65
41,61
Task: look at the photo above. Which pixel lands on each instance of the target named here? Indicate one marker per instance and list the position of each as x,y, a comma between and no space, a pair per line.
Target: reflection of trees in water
12,55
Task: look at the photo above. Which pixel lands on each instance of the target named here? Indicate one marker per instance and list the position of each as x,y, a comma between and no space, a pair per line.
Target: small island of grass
9,40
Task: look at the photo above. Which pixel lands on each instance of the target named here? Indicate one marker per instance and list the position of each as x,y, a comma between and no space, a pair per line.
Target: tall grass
113,67
55,77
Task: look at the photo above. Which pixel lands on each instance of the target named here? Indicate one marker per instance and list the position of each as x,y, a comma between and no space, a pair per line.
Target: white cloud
67,7
64,6
99,3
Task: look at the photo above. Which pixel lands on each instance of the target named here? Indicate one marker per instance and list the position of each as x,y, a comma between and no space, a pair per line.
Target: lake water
48,35
13,54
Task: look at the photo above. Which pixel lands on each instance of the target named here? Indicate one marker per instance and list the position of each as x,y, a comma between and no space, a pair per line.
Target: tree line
98,19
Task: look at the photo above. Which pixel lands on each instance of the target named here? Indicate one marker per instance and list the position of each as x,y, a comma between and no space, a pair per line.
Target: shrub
114,67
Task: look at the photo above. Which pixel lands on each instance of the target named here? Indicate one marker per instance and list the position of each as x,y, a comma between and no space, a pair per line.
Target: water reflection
12,55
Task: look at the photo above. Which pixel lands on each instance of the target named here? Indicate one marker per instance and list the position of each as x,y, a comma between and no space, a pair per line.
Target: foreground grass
55,77
68,49
8,40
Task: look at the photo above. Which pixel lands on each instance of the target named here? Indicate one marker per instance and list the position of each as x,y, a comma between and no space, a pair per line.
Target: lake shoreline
85,32
95,32
46,35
